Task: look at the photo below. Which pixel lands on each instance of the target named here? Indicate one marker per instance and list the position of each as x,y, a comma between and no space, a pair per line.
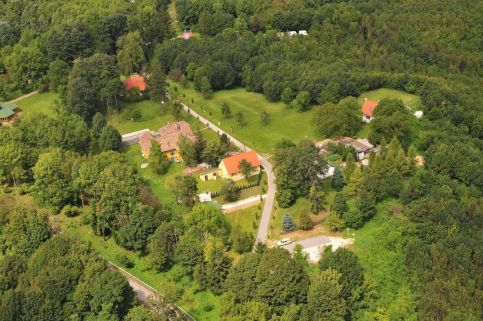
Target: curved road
267,208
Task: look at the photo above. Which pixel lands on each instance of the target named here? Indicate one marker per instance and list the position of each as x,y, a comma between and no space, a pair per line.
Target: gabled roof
169,135
7,110
369,107
135,81
232,163
145,142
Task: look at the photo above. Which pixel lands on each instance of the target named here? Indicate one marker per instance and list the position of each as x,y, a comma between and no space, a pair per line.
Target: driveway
269,200
315,245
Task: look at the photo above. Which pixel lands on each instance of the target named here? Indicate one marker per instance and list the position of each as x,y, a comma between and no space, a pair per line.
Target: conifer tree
340,204
288,224
338,181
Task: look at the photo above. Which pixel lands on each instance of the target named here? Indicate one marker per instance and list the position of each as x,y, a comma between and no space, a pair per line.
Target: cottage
167,138
368,109
8,112
230,166
292,33
135,81
362,146
303,33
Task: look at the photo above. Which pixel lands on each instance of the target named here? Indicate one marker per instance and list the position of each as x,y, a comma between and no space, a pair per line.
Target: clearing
41,103
410,100
283,122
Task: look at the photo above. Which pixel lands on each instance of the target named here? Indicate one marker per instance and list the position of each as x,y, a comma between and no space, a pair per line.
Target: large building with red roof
368,109
167,138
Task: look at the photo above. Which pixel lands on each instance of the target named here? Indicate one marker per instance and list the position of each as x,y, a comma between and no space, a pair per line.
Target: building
8,112
229,167
303,33
368,109
167,138
362,146
135,81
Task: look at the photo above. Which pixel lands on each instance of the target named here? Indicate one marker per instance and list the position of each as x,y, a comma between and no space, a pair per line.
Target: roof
145,142
368,107
7,110
232,163
360,145
169,135
135,81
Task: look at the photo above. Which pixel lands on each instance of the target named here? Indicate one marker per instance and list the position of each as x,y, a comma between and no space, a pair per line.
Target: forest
73,164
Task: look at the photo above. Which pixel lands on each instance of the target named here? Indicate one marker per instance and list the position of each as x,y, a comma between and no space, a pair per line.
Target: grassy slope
410,100
284,123
42,103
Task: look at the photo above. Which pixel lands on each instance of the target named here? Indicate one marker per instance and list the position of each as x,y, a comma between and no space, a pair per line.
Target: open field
41,103
283,122
410,100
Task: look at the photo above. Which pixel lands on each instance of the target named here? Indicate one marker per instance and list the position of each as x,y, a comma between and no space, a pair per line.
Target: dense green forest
71,164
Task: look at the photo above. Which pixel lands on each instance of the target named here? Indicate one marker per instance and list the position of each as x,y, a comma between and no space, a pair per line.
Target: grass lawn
42,103
284,123
363,132
410,100
202,305
302,205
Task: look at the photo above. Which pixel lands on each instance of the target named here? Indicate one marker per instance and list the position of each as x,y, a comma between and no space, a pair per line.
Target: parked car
283,242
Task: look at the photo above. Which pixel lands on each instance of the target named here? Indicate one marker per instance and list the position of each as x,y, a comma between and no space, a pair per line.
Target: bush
353,218
70,211
124,261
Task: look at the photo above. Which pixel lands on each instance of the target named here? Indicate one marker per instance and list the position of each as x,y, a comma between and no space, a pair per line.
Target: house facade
368,109
167,138
229,167
362,146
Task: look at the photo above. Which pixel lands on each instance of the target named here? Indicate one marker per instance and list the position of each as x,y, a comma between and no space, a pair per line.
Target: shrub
70,211
124,261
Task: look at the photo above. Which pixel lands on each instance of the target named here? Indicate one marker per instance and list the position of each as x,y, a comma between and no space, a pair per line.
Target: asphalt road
267,208
320,240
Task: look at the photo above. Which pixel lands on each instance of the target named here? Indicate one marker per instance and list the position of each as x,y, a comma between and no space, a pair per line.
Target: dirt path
22,97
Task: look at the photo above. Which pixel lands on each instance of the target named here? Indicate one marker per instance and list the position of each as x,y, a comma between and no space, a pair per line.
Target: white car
283,242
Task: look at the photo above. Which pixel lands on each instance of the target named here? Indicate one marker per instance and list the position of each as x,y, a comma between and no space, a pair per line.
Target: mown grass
410,100
40,103
283,122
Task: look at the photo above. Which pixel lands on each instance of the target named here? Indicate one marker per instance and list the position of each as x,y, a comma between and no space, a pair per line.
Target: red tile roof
369,107
145,142
135,81
232,163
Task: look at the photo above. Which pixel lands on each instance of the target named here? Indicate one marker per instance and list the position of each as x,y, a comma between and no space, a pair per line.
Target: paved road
267,208
241,204
144,293
307,243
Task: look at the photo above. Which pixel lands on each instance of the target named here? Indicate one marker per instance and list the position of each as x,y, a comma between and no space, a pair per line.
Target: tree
353,218
332,120
25,231
265,118
158,162
334,222
205,87
324,299
240,119
213,153
225,110
338,181
52,175
212,23
58,75
189,253
366,204
242,241
207,220
185,188
305,222
340,204
162,245
69,43
188,151
317,199
224,141
245,167
287,96
156,81
347,264
230,191
350,166
110,139
288,224
301,101
130,53
214,272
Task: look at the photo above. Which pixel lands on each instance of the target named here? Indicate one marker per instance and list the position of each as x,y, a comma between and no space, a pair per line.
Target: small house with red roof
230,167
368,109
136,81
